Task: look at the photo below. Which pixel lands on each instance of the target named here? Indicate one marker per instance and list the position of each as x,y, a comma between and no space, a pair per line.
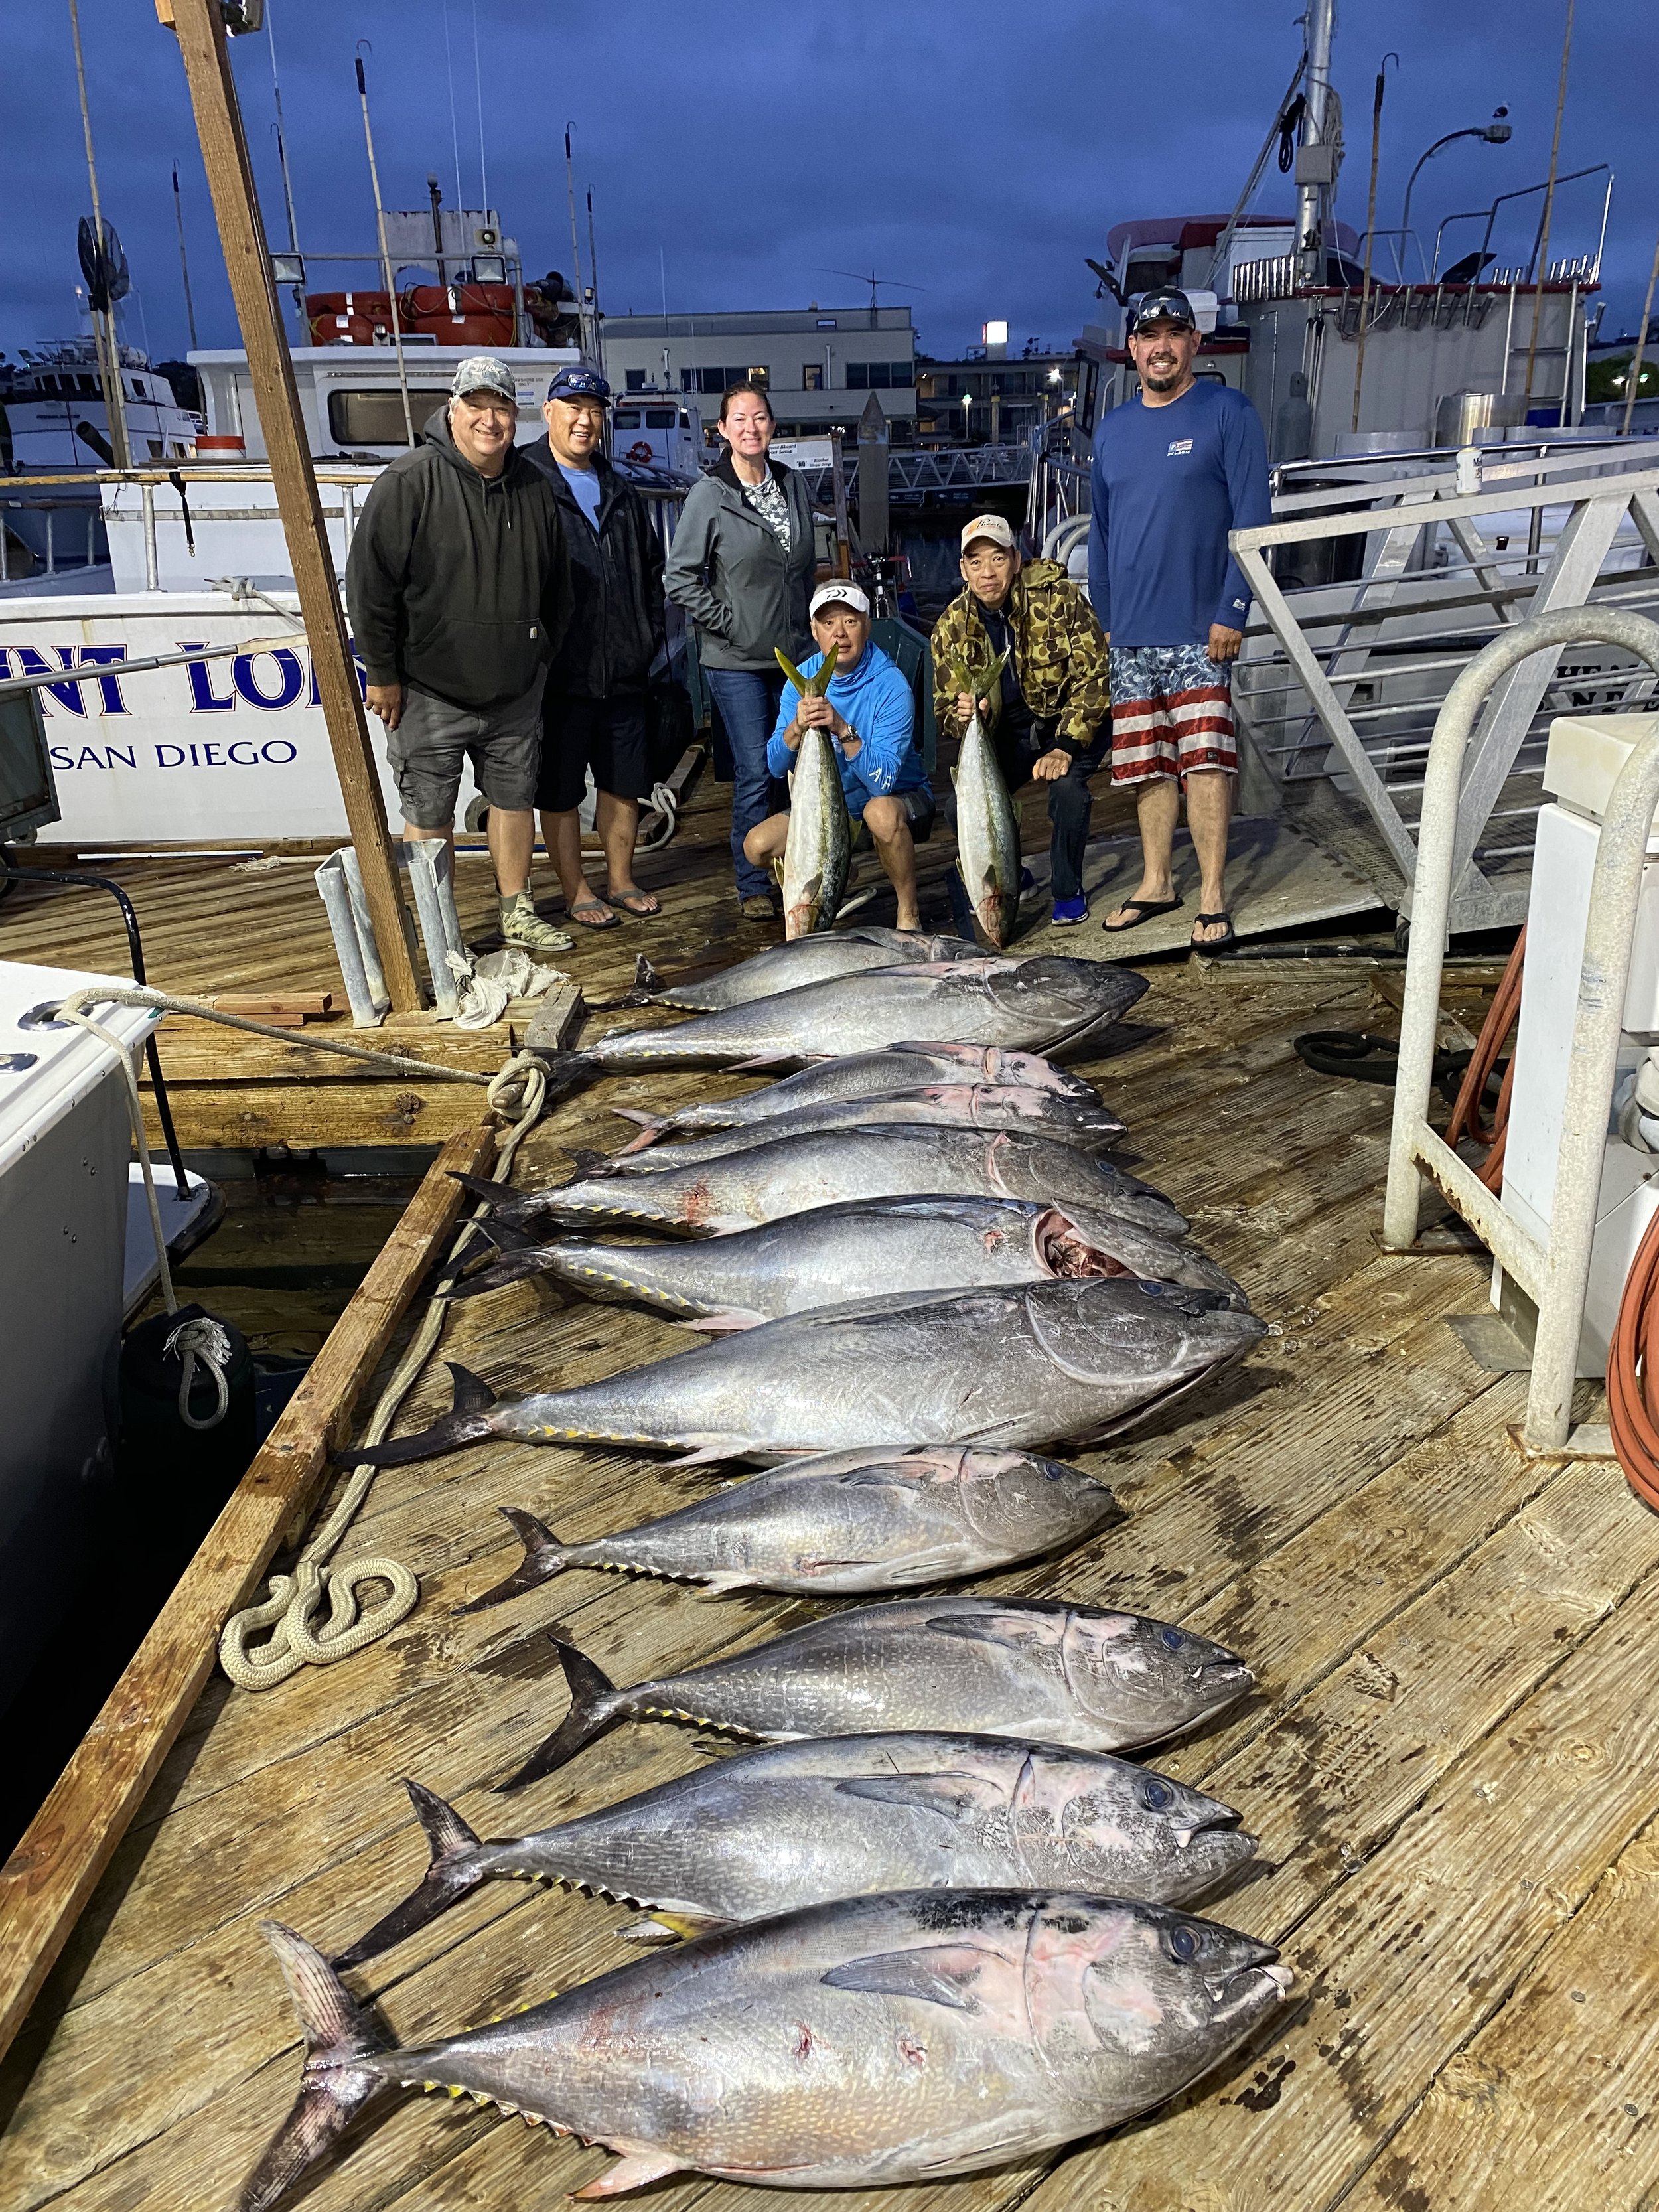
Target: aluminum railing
1342,680
1554,1273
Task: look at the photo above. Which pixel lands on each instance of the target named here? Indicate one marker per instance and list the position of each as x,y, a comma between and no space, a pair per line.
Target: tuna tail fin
514,1266
467,1422
453,1872
647,987
543,1558
650,1128
481,1187
341,2041
587,1161
594,1705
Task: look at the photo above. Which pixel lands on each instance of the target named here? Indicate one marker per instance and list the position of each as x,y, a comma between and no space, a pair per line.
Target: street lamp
1498,132
967,409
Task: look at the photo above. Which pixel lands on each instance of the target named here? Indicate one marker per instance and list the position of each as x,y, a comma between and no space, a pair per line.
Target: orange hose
1632,1361
1465,1120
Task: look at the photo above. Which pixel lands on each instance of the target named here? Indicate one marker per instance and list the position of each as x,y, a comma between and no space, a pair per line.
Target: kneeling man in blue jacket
871,713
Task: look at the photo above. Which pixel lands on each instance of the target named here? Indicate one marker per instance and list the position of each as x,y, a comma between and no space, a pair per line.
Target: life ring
641,451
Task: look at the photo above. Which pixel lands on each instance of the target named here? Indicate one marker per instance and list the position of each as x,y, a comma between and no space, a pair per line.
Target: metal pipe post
385,257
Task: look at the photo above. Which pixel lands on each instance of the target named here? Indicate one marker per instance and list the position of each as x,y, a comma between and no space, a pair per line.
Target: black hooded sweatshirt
459,584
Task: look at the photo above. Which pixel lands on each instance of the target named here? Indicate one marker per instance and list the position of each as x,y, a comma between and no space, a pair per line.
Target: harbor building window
811,376
636,379
879,375
375,417
716,380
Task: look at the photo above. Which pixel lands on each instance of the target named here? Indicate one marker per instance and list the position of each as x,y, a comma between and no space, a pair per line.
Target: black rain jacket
617,624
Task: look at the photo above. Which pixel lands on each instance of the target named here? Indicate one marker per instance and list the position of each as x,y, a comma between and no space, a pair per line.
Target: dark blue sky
977,150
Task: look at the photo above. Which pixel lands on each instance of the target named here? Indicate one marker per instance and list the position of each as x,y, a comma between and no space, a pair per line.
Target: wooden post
200,30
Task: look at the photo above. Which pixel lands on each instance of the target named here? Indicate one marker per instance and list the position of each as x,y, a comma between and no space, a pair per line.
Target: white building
820,364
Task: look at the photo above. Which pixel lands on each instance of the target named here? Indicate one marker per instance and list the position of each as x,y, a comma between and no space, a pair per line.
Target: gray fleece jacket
728,572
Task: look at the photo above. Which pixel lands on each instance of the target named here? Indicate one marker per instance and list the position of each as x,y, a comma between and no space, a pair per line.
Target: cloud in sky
738,154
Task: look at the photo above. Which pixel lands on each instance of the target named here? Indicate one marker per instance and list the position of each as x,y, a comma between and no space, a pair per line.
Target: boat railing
164,491
1371,596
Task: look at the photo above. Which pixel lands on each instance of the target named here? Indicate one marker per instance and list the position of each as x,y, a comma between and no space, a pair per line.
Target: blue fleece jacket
1167,485
874,698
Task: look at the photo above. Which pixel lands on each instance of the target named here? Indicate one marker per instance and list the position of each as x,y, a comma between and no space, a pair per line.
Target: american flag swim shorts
1172,713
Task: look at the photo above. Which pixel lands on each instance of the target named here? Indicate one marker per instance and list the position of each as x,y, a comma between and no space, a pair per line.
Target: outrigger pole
199,25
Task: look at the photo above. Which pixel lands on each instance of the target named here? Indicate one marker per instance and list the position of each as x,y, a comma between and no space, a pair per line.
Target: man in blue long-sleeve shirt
870,713
1174,470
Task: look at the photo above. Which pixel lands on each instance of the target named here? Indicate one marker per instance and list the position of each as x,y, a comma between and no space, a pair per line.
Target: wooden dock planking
1447,1757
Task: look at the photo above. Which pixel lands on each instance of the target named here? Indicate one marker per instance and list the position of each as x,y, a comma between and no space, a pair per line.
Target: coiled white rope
517,1091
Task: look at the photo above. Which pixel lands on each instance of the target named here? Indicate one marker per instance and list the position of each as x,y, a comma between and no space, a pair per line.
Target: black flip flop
610,922
1143,910
1214,944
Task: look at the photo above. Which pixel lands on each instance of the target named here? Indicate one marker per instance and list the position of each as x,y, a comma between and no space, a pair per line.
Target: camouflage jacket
1059,652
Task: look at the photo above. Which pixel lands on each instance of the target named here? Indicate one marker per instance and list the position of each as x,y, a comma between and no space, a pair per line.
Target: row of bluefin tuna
918,1267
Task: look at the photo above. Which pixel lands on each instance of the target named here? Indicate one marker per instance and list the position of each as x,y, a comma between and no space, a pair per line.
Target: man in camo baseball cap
483,373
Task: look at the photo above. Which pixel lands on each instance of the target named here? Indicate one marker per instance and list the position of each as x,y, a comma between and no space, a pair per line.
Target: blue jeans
748,700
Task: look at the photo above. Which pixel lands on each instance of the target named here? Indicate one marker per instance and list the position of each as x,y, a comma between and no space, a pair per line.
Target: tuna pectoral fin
543,1558
593,1706
454,1871
723,1320
633,2171
952,1796
335,2087
466,1422
943,1976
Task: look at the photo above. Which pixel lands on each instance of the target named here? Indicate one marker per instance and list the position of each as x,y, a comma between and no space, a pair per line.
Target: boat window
658,418
87,386
375,417
625,418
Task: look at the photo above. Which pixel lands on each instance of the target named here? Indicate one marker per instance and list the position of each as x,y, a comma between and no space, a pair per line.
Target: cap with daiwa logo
577,383
1166,304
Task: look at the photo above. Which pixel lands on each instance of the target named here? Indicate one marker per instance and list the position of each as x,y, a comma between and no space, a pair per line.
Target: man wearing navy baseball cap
594,711
1175,468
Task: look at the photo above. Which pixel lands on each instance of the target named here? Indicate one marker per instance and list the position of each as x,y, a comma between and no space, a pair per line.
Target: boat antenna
454,128
103,319
1370,228
575,244
1634,372
594,279
184,258
477,85
385,257
281,162
1542,248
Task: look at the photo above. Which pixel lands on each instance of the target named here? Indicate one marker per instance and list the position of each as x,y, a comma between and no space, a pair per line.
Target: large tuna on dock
843,1524
987,835
1029,1669
795,1824
870,1075
858,1249
947,1105
1045,1004
778,1175
801,960
874,2041
1009,1368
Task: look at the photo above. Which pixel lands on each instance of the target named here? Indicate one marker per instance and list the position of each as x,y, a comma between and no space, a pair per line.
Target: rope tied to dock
518,1092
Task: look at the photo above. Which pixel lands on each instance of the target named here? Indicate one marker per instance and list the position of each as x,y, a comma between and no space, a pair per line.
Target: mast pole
1545,221
575,244
184,257
103,319
1634,372
200,29
1315,167
385,255
594,275
1371,230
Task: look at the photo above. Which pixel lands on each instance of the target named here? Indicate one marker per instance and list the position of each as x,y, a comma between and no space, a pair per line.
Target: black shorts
607,735
919,815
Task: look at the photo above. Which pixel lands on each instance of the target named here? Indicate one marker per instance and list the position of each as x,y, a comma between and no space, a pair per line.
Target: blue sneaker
1069,912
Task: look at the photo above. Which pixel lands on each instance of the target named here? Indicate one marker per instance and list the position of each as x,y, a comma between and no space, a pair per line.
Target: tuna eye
1171,1638
1183,1943
1158,1796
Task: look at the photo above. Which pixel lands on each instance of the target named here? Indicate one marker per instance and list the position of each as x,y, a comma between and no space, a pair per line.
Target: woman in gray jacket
742,565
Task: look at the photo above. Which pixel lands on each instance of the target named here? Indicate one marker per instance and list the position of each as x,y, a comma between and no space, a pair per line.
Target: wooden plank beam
200,30
50,1874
